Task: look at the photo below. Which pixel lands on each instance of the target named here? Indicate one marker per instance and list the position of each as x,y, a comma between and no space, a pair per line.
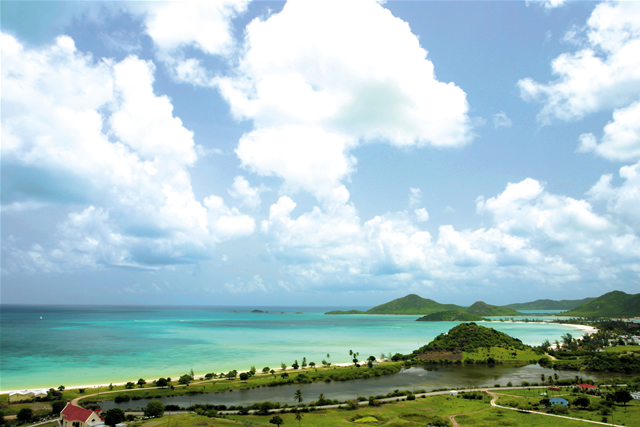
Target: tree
129,385
545,345
232,374
252,371
566,339
276,420
295,365
542,377
622,396
25,415
185,379
312,364
297,396
265,370
155,408
283,366
244,376
141,382
298,416
61,388
304,362
581,401
57,406
113,416
161,382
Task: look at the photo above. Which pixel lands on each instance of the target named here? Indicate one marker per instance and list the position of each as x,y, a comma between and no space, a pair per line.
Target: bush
351,404
558,410
122,398
155,408
25,415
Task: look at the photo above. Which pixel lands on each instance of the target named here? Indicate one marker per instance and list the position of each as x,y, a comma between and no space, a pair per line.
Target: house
26,395
75,416
636,395
585,387
559,401
453,393
554,388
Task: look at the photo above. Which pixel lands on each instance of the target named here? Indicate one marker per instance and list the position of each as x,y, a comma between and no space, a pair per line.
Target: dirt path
493,395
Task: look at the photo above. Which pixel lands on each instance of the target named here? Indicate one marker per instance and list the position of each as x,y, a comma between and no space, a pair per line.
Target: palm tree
321,399
298,396
542,377
298,417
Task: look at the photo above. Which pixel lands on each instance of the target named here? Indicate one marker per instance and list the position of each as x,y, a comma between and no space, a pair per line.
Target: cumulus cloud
621,139
241,190
621,201
314,97
421,215
81,132
176,27
604,74
535,237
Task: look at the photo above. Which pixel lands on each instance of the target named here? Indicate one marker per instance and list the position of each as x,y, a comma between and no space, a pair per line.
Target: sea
49,346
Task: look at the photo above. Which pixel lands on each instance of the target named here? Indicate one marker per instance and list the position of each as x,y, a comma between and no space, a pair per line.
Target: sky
319,152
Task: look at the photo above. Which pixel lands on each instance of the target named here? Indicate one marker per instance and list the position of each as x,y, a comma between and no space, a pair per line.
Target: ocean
49,346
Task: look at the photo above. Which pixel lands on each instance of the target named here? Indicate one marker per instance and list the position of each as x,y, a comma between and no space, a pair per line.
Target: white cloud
415,196
500,120
421,215
80,132
621,139
603,75
256,284
243,191
314,97
621,201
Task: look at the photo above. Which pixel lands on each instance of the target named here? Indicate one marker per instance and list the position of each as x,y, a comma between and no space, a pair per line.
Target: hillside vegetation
450,316
412,304
612,304
481,308
469,337
548,304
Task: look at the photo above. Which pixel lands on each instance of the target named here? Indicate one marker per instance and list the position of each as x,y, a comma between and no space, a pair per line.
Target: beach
83,346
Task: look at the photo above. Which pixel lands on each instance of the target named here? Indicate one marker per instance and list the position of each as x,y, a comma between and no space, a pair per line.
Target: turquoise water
45,346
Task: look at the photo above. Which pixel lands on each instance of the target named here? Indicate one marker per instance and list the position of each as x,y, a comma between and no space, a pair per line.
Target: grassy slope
469,337
450,316
612,304
412,304
548,304
481,308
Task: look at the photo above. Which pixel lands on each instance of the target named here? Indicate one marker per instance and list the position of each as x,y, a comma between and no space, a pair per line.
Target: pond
427,378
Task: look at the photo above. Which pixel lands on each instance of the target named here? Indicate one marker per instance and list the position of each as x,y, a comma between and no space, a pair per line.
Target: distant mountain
612,304
412,304
483,309
548,304
345,312
450,316
469,337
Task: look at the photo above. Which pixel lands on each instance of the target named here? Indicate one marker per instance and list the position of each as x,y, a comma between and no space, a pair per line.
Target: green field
623,349
502,355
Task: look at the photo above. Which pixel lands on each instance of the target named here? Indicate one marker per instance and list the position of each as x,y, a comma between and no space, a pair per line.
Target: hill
469,337
412,304
450,316
548,304
483,309
612,304
346,312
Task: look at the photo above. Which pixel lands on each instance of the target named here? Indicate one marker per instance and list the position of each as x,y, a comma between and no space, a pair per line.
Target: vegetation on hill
412,304
481,308
450,316
612,304
345,312
548,304
470,337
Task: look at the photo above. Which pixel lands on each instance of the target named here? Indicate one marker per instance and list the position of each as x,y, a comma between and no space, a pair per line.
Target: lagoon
48,346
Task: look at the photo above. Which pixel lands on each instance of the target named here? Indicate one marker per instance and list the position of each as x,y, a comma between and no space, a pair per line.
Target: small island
450,316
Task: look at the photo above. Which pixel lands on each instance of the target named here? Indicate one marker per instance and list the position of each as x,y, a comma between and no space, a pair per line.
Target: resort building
586,387
75,416
26,395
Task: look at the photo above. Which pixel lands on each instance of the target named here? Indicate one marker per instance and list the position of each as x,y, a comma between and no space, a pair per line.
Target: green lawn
623,349
503,355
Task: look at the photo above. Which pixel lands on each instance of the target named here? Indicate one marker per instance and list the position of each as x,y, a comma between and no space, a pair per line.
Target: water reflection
427,378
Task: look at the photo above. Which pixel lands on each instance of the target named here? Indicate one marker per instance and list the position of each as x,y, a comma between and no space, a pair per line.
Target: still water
409,379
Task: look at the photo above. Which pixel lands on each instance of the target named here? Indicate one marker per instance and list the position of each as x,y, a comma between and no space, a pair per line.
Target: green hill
483,309
450,316
548,304
412,304
469,337
612,304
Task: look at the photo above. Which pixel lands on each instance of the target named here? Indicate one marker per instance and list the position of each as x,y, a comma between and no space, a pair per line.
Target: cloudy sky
319,152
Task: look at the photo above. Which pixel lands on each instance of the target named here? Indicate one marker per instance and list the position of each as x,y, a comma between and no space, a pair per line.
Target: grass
409,414
503,355
623,349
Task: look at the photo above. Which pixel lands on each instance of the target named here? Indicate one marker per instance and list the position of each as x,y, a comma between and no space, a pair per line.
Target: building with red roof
587,387
75,416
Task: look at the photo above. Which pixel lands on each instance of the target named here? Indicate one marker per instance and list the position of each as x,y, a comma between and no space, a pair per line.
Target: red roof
586,386
76,413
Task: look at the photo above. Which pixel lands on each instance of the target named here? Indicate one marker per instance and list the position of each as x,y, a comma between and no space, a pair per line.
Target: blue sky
319,153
